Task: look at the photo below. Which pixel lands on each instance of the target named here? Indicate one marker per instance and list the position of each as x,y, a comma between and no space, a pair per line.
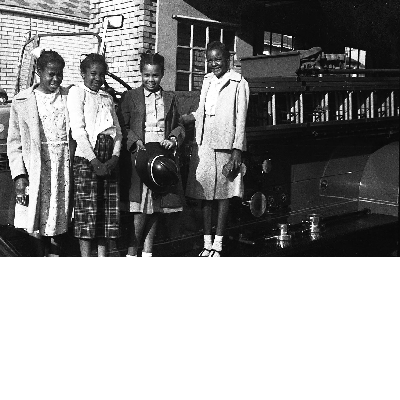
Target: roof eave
50,15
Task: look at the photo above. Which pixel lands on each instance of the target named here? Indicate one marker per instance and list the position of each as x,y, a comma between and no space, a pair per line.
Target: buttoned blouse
212,94
154,110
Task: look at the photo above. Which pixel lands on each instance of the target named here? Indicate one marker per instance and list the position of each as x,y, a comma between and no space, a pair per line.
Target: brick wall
123,45
14,30
137,34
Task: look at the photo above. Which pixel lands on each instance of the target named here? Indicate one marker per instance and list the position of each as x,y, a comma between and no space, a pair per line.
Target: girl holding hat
148,114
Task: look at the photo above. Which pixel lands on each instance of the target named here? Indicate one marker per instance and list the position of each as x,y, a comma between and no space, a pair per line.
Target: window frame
271,44
208,24
361,54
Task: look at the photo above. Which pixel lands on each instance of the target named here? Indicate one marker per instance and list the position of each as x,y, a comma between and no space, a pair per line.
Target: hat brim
143,161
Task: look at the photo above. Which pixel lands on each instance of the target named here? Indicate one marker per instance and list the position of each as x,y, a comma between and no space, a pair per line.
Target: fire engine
322,164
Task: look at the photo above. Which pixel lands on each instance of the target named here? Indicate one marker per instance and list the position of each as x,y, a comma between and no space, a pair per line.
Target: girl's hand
236,158
169,143
20,190
140,145
234,163
111,163
99,168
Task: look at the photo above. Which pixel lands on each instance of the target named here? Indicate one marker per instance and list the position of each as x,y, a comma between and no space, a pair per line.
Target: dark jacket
132,117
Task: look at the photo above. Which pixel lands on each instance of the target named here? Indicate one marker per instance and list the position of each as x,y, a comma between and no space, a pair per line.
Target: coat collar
27,93
138,96
27,99
157,94
101,92
229,75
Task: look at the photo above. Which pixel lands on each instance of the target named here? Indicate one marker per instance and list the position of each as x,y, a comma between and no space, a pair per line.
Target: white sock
208,242
144,254
217,245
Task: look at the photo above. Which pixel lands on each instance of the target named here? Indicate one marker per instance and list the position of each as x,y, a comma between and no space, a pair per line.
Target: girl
148,114
97,132
215,167
38,149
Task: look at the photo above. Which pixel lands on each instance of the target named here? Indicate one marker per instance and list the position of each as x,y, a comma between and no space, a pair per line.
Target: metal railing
296,101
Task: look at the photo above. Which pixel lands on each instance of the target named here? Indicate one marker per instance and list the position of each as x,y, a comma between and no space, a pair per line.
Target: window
355,58
275,43
193,37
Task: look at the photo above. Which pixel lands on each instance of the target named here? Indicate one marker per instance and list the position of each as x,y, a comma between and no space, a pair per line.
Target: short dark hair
152,59
93,58
49,56
216,45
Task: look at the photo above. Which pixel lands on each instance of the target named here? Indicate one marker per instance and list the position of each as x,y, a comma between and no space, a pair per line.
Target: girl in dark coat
147,114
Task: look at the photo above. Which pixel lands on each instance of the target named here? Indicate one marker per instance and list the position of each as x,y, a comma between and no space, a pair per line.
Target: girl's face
217,62
151,77
50,77
94,77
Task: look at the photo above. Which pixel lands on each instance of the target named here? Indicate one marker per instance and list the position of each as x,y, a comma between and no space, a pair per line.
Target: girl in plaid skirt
95,128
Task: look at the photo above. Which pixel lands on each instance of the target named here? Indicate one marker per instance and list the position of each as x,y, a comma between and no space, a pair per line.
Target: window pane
267,37
182,81
197,81
190,56
199,36
276,39
214,34
199,60
229,40
183,34
183,59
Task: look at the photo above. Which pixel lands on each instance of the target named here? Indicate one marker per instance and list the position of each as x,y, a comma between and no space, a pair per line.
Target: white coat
24,147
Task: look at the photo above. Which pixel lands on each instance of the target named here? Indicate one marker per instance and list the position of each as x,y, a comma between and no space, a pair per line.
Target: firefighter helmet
156,167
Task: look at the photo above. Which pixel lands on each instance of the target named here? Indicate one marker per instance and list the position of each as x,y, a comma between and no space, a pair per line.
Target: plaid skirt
96,202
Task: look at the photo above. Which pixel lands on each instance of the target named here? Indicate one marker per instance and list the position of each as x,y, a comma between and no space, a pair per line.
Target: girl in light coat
38,149
215,172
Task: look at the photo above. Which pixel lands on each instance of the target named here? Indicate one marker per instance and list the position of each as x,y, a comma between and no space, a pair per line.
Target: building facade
138,34
21,20
181,29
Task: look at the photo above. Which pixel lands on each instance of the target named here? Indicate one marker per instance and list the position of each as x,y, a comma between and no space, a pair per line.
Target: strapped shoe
204,253
214,253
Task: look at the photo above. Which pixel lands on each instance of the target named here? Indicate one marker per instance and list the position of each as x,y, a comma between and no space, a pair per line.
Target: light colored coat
24,146
230,112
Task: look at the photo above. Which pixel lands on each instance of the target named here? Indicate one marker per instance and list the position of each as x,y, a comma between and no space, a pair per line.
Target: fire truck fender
379,185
